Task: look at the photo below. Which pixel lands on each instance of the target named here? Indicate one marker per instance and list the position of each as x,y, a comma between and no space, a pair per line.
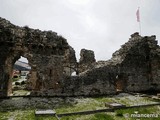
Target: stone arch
9,61
45,51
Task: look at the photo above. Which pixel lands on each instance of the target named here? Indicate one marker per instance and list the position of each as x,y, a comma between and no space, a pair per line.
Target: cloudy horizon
99,25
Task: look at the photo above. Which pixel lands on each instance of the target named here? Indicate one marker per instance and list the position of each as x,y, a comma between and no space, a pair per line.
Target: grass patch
120,114
18,115
117,115
46,118
102,116
81,105
85,104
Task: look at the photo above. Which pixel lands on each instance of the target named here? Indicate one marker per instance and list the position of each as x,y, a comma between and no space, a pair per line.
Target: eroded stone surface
45,51
87,60
134,67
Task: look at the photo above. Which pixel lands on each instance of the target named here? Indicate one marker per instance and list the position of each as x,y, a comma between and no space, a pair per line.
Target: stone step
114,105
46,113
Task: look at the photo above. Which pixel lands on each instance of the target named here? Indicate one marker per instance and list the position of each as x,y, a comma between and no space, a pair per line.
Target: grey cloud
100,25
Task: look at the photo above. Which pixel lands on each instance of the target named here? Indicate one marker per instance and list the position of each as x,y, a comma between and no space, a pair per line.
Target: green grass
81,105
18,115
117,115
84,104
102,116
120,114
45,118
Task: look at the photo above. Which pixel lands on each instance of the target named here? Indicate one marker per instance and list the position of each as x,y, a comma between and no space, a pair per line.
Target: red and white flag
138,16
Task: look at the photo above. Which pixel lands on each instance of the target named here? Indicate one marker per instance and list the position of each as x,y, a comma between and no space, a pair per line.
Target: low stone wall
33,103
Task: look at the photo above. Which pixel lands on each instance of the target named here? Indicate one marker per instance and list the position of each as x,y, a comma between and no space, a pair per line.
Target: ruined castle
135,67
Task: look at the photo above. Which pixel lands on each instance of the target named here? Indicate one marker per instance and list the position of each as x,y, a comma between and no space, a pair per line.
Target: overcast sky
100,25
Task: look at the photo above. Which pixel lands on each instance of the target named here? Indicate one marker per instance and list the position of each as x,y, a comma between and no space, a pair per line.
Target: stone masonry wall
87,60
134,67
45,51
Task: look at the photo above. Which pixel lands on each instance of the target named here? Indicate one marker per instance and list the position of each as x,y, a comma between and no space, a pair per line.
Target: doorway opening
120,83
20,76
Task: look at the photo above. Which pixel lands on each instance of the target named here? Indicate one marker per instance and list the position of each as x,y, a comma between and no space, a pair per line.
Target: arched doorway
20,76
16,72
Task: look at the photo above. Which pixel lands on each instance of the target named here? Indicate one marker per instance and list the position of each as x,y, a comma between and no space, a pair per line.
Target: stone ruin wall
135,67
46,53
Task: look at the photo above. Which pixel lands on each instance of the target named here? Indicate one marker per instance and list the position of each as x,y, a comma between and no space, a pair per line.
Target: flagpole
139,22
140,28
